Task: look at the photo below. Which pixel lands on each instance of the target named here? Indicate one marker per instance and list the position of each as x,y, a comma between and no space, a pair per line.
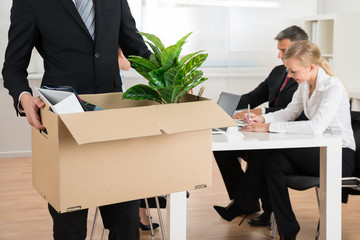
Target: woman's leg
249,189
278,164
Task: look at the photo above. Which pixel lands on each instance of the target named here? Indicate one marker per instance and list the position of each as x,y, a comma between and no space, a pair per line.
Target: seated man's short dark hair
294,33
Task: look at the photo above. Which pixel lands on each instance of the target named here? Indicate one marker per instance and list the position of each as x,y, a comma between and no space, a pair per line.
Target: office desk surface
330,167
237,140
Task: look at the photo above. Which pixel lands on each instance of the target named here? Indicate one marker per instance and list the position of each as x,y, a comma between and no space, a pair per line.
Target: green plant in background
169,77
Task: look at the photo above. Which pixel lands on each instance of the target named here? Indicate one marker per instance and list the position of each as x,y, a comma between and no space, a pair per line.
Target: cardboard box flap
115,124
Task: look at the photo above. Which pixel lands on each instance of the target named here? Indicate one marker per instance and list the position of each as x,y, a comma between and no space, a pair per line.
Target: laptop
228,102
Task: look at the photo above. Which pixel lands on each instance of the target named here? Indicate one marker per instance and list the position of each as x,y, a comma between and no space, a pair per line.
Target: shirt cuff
277,127
19,107
263,111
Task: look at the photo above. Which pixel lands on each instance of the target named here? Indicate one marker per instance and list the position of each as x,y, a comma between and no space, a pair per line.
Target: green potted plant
170,78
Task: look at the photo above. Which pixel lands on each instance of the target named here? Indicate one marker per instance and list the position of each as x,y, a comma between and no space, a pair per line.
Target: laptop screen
228,102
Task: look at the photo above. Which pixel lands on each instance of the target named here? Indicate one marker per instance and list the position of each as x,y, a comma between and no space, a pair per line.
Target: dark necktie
281,88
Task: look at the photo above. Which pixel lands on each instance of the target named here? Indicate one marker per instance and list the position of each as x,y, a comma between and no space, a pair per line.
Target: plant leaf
153,39
142,92
170,55
170,75
156,51
177,89
194,63
188,88
154,61
187,57
182,40
142,71
157,77
188,82
192,77
142,62
166,93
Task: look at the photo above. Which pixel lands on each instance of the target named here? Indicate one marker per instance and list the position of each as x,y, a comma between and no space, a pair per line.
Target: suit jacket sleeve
130,41
272,109
256,97
22,36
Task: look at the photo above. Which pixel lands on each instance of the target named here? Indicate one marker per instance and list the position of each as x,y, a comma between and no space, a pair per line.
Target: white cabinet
320,29
338,38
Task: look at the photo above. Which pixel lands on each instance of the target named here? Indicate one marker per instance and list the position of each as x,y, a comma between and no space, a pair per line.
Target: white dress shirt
328,111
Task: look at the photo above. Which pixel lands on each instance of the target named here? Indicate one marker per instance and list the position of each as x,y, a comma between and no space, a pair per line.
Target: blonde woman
325,102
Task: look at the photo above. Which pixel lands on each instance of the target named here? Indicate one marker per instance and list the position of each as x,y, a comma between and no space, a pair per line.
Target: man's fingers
31,106
34,120
39,103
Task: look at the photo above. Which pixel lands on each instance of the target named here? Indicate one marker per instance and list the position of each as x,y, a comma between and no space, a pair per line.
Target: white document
61,102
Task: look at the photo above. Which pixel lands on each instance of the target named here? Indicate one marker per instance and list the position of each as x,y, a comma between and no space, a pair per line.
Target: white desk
330,168
355,99
330,177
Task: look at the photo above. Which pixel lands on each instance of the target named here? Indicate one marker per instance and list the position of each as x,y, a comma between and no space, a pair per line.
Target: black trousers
230,169
152,202
302,161
122,219
244,187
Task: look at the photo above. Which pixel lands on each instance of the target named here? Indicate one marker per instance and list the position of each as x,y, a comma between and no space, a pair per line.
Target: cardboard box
130,151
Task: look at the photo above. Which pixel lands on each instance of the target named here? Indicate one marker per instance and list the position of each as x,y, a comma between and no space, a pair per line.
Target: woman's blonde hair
308,53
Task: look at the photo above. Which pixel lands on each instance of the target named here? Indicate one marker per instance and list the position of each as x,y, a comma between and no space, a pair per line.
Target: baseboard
19,154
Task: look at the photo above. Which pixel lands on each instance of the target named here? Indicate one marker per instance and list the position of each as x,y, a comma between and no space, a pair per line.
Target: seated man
277,89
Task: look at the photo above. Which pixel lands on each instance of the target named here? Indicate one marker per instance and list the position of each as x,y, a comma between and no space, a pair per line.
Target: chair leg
149,216
94,223
317,196
273,225
103,234
160,218
318,231
318,201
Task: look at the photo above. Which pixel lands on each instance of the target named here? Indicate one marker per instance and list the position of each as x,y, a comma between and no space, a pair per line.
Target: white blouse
328,111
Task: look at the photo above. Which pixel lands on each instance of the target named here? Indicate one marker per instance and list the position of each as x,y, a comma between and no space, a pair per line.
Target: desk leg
330,192
355,104
176,216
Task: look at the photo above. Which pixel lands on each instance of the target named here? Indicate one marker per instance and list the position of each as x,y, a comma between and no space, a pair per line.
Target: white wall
15,132
339,6
346,39
233,35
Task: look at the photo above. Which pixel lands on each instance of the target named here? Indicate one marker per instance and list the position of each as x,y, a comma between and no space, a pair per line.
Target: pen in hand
248,112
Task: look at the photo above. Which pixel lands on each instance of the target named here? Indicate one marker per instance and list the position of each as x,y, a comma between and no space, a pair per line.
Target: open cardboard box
130,151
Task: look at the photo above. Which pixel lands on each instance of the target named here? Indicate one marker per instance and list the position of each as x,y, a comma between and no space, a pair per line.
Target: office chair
299,183
351,184
161,223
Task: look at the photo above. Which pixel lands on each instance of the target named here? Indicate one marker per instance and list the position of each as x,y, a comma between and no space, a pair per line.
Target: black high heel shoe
147,227
230,212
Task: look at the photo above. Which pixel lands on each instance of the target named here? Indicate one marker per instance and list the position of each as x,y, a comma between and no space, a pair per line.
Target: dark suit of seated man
277,90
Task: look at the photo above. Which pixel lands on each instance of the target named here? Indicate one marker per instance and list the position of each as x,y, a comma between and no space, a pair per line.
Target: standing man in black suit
277,90
78,41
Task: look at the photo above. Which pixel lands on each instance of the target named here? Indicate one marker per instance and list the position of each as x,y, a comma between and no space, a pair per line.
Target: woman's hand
255,127
242,115
254,118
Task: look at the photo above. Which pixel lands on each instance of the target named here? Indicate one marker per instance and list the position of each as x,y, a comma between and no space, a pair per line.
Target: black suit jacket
71,56
268,90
